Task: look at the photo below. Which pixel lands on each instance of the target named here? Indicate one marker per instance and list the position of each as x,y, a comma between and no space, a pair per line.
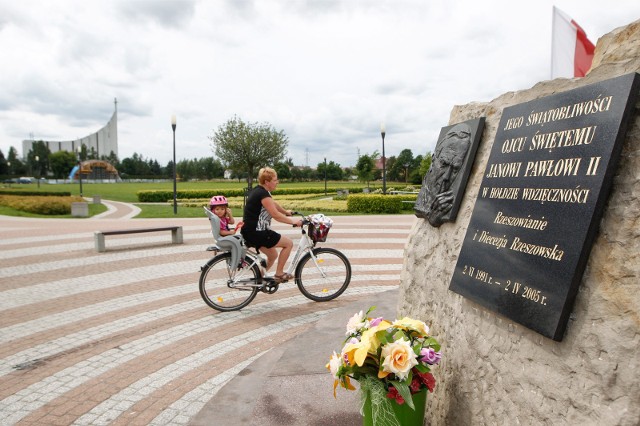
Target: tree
365,166
334,171
61,163
4,169
248,146
154,168
41,151
134,166
403,165
112,158
283,170
210,168
15,166
425,165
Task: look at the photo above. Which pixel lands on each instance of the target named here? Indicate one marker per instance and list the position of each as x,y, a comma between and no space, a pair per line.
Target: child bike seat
231,243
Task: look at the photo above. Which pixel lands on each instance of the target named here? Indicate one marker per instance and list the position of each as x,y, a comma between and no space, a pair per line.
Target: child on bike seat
220,207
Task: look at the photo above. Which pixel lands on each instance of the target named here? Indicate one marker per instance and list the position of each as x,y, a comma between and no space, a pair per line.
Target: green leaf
399,335
433,343
404,392
422,368
384,337
417,348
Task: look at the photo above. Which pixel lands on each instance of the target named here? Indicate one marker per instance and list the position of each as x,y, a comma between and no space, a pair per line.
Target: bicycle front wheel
323,275
227,288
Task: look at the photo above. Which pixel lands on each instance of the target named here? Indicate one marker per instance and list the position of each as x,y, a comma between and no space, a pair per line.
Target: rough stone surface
495,371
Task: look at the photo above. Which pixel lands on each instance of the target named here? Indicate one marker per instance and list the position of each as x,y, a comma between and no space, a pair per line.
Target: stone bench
176,235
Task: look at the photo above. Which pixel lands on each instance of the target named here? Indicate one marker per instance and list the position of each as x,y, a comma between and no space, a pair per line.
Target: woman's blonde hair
266,174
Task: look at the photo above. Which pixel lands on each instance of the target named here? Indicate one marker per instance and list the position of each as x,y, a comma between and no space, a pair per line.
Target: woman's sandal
283,278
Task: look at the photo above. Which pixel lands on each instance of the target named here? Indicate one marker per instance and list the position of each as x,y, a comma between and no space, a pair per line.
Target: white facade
103,142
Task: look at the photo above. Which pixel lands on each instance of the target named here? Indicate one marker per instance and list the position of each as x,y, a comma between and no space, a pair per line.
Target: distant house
379,163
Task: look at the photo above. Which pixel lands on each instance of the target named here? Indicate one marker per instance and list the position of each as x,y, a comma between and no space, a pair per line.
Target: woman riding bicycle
258,212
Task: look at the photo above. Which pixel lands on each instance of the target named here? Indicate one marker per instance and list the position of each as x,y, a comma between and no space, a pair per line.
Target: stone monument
496,370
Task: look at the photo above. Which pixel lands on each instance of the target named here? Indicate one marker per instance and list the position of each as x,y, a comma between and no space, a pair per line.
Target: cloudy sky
326,72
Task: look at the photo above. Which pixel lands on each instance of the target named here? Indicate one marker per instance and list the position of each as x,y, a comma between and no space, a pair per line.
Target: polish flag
571,50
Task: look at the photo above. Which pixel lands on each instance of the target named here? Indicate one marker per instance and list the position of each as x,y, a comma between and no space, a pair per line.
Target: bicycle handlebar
305,220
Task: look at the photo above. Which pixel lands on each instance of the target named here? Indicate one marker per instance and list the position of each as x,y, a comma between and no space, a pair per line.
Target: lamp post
175,202
406,172
384,166
325,176
38,166
79,149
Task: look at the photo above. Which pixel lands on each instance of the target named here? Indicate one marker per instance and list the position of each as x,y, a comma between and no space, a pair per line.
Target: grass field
127,192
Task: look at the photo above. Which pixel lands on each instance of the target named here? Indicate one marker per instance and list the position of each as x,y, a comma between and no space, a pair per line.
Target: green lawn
127,192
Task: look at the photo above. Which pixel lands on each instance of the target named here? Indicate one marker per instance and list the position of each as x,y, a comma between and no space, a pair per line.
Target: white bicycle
233,277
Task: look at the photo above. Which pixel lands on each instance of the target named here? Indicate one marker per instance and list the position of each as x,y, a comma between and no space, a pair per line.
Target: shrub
34,193
389,204
157,196
46,205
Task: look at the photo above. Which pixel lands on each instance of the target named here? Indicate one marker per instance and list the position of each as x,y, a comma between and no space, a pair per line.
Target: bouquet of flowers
390,360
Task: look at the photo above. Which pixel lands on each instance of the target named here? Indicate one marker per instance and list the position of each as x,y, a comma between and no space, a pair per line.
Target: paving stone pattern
122,337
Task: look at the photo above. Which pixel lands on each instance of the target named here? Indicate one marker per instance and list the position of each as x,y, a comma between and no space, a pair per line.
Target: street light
38,174
384,166
406,172
79,149
325,176
175,203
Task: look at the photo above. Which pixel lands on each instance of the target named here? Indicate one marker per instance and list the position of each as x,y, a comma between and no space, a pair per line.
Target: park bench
176,234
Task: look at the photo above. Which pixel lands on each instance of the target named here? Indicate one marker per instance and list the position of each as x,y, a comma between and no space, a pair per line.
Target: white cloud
326,72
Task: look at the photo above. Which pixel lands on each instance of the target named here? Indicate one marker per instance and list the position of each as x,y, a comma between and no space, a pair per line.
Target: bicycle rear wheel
323,276
225,288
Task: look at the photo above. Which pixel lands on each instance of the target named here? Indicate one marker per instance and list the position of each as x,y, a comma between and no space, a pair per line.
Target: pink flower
376,321
430,356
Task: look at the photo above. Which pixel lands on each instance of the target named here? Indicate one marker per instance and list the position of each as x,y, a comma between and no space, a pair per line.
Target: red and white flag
571,50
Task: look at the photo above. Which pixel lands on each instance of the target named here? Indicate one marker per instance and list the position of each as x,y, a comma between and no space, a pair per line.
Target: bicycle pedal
269,285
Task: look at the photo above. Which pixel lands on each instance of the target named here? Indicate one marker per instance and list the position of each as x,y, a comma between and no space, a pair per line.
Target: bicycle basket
318,233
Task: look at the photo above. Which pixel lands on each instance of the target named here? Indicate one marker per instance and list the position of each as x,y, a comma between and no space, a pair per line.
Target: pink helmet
218,200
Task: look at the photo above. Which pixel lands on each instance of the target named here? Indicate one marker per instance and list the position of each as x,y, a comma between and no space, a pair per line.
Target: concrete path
122,337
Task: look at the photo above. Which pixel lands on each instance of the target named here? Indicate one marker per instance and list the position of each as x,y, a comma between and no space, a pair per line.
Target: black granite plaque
540,202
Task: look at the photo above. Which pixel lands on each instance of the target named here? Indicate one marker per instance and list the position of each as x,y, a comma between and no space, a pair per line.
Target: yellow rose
357,352
412,325
399,358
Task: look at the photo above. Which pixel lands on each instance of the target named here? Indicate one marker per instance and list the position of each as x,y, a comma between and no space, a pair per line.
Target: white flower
399,358
355,323
334,364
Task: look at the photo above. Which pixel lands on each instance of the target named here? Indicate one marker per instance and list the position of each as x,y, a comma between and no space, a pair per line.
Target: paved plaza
123,337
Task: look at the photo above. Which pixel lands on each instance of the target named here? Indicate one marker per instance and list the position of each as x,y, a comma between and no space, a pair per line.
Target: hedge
46,205
158,196
388,204
34,193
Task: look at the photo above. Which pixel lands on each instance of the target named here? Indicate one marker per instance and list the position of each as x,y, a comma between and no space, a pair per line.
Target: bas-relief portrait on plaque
444,184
